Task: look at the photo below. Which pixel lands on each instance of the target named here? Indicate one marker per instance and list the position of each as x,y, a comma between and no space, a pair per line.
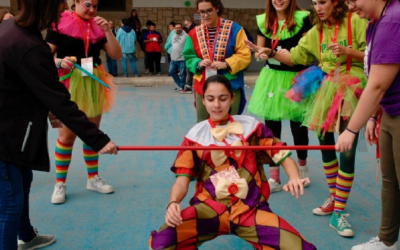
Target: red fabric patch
199,188
275,151
234,199
184,171
248,219
187,244
250,162
189,213
218,207
265,190
284,225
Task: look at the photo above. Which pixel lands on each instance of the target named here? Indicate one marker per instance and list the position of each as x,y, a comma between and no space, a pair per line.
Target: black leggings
346,159
300,135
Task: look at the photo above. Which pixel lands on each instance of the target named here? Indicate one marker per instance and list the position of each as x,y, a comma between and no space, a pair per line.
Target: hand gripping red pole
173,148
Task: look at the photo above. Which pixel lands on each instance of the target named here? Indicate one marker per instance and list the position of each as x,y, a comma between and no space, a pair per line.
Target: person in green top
337,41
280,27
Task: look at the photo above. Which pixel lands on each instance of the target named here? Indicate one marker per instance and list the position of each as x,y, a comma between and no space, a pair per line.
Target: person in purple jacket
382,66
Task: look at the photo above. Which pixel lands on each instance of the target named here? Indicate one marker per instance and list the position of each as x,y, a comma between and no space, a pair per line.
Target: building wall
4,3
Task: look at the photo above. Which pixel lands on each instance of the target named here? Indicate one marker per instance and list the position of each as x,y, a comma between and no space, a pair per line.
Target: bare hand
219,65
68,62
110,148
102,23
173,216
205,63
294,185
338,49
256,48
370,133
345,141
263,57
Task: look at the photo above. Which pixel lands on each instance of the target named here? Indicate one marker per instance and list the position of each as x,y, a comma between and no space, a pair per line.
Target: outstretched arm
179,190
282,56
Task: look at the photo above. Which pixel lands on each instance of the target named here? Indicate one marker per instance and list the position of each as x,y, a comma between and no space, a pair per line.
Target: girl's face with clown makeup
86,9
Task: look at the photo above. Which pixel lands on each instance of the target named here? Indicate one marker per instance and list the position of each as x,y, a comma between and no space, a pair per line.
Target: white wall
238,4
5,3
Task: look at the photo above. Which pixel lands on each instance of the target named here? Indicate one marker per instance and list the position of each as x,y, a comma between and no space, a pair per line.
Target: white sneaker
99,184
304,173
58,196
374,244
274,186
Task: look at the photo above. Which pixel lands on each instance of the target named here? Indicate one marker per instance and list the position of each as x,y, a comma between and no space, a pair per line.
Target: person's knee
67,138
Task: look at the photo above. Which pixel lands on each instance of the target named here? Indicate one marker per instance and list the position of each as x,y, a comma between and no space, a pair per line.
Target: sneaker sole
321,213
57,201
276,190
342,233
100,191
42,245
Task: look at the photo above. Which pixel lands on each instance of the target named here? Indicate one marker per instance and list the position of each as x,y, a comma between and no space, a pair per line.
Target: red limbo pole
173,148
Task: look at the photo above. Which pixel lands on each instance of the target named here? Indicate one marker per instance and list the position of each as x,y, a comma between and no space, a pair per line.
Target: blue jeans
112,66
125,63
173,69
15,185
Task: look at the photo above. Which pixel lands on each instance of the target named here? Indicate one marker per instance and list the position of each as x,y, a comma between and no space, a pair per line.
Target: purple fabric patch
266,132
208,226
209,187
264,206
233,163
253,197
308,246
268,236
194,201
163,239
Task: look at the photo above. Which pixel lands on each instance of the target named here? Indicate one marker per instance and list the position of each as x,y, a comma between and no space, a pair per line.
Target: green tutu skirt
268,100
91,97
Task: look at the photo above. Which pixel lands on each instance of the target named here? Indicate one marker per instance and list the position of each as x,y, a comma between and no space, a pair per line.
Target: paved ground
142,181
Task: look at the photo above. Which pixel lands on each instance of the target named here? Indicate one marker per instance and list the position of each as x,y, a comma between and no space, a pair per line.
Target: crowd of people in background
357,80
149,41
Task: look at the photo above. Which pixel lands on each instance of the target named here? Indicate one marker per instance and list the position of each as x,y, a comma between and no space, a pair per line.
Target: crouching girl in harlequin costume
232,190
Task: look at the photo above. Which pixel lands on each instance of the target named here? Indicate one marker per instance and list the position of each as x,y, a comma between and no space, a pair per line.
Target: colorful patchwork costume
236,206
